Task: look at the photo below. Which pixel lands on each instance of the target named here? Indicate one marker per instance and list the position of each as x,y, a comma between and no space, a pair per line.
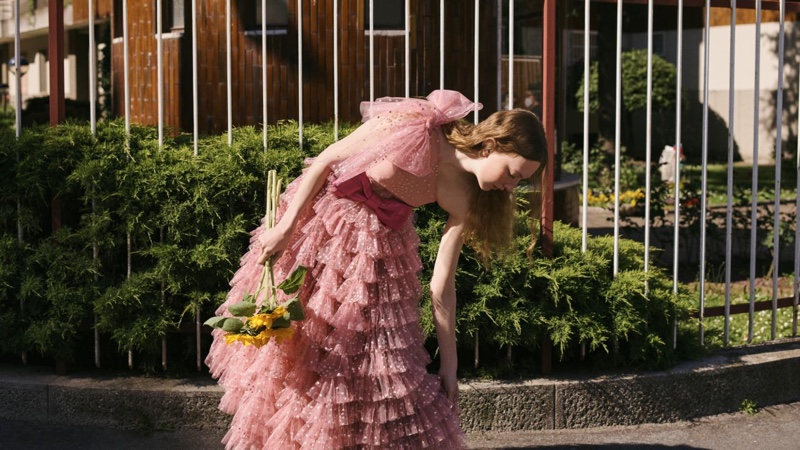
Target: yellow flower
243,338
265,319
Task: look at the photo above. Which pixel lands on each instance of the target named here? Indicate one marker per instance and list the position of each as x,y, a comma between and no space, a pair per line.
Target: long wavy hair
490,222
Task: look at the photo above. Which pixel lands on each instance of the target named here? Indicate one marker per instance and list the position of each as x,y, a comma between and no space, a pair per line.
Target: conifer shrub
169,228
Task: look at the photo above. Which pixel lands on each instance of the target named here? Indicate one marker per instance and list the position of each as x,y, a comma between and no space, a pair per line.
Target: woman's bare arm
443,298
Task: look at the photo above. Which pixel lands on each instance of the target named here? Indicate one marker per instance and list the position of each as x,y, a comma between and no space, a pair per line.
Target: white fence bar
336,66
678,150
195,133
649,136
92,72
371,50
510,54
704,168
93,126
408,47
17,131
797,232
160,69
441,43
776,235
617,135
229,68
17,72
729,206
754,201
264,86
126,70
195,113
586,69
499,40
300,71
476,61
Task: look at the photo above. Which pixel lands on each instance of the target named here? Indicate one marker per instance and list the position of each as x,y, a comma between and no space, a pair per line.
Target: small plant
749,406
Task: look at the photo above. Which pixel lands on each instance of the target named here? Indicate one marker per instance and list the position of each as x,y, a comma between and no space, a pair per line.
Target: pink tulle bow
401,130
390,211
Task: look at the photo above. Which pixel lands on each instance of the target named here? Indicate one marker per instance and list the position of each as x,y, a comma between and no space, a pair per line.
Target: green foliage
187,219
573,299
749,406
634,82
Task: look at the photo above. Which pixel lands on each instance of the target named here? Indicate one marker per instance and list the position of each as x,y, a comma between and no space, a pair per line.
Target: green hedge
188,220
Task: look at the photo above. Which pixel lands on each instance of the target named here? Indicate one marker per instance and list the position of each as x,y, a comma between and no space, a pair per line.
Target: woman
353,375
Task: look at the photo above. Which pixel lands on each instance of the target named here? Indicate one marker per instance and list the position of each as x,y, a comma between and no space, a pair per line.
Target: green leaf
282,322
293,282
232,325
249,298
295,309
242,309
215,322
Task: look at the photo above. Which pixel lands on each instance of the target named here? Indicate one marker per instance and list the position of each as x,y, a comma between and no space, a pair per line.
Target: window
277,14
173,15
389,14
117,16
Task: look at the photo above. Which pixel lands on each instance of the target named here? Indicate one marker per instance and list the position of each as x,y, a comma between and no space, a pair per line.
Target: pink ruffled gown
354,373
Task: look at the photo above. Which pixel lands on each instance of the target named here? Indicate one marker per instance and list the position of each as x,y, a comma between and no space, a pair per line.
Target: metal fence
728,310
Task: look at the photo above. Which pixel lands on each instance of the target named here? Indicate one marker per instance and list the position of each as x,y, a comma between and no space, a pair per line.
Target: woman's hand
273,242
449,382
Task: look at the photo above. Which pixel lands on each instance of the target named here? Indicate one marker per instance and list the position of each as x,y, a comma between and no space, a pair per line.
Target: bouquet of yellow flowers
252,324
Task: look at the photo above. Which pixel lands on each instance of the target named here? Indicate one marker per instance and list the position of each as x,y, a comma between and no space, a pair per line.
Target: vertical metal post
549,76
678,151
17,132
229,68
704,176
499,40
510,54
336,66
195,113
441,43
92,71
160,70
587,42
126,70
264,87
55,38
371,50
300,72
126,82
796,280
776,230
408,48
93,125
649,135
754,186
729,206
476,61
17,74
617,136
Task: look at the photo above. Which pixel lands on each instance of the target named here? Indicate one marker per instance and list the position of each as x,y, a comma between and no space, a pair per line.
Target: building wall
282,63
744,90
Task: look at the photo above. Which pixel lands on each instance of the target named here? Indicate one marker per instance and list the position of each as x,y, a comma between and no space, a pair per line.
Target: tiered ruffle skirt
354,373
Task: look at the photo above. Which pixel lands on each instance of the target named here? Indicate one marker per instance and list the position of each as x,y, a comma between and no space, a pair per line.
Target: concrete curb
767,375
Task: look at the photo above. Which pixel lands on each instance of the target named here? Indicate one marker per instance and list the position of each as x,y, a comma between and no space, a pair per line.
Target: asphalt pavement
772,428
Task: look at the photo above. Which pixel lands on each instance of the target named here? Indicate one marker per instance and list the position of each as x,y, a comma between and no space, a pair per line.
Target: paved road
773,428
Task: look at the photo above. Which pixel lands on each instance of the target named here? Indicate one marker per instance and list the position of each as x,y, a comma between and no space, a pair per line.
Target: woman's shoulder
453,192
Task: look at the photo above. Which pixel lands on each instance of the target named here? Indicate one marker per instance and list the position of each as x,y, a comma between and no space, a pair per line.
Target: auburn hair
489,226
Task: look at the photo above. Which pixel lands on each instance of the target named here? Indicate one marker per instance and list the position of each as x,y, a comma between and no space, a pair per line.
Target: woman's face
503,171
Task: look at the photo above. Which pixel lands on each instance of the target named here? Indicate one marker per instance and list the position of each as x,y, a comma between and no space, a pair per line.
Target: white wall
744,81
